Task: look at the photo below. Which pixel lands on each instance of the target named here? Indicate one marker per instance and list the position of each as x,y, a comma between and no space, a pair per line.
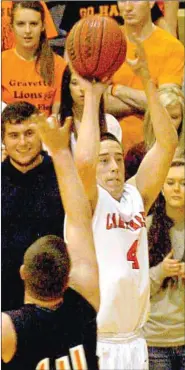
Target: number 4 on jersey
131,255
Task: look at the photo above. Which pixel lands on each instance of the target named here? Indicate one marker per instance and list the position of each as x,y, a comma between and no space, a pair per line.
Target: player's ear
22,272
151,3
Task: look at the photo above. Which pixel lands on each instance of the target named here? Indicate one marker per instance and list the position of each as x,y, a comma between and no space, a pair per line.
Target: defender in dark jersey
56,327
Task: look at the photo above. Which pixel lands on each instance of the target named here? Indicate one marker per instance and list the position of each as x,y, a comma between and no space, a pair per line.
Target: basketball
96,47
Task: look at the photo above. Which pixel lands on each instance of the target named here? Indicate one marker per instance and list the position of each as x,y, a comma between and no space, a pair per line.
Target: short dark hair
16,113
47,266
109,136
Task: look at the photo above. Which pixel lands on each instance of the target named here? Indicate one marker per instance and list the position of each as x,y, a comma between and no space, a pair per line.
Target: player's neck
142,32
176,214
28,55
51,304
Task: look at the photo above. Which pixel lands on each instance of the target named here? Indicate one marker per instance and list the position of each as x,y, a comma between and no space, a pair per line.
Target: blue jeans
166,358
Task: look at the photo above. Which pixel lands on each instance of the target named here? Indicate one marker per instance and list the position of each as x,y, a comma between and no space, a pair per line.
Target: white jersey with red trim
122,252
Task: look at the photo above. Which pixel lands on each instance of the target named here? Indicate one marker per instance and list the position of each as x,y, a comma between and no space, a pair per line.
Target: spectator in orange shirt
126,98
7,41
39,71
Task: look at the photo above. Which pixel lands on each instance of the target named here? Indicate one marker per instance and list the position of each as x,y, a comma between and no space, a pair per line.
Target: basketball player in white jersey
119,211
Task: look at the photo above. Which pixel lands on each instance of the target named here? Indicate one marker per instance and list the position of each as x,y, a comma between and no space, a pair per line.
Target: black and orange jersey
64,338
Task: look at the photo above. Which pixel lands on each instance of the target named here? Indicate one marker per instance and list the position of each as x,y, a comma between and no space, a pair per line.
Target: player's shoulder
131,199
77,311
21,316
78,304
131,189
22,311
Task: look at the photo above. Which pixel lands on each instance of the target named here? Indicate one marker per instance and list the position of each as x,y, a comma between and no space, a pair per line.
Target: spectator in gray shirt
165,328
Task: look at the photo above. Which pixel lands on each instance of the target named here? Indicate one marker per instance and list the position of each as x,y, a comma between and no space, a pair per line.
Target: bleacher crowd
100,166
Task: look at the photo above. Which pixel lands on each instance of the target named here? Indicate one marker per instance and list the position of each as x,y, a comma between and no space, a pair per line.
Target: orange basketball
96,47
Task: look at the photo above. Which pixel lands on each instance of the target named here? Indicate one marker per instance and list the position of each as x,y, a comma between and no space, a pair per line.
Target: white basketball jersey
122,252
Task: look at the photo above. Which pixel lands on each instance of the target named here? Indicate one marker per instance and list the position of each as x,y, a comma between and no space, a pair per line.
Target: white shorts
131,355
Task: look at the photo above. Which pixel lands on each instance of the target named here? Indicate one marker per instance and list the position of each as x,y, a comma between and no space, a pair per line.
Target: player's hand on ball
139,65
96,47
170,266
95,87
54,137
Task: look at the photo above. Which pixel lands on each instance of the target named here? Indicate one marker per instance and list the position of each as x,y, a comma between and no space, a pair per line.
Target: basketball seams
73,46
115,60
119,53
104,38
70,44
97,47
100,45
80,46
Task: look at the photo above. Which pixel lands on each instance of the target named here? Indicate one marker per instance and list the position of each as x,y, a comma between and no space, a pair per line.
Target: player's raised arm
155,165
88,143
84,272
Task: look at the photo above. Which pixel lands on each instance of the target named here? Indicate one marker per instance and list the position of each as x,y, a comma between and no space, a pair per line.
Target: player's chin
115,193
117,196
